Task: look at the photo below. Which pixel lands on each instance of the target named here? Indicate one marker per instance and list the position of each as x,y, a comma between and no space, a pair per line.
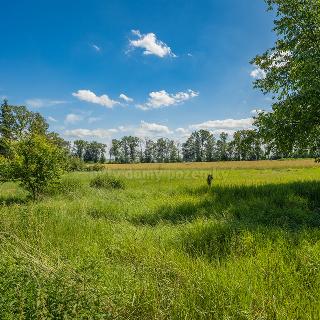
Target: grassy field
166,247
262,164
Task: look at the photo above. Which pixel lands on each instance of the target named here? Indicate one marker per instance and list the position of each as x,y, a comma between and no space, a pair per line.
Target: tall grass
165,247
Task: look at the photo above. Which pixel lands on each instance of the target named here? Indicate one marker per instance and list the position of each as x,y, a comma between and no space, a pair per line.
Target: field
166,246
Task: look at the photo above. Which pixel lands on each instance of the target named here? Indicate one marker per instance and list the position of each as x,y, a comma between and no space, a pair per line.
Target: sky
102,69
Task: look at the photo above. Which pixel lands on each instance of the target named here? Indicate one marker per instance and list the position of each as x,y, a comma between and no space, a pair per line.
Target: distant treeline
17,122
200,146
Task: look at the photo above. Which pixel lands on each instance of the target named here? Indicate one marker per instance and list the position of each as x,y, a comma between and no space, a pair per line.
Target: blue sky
178,65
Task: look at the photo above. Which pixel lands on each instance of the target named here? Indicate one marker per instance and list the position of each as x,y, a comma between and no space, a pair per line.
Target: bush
95,167
107,182
76,164
36,163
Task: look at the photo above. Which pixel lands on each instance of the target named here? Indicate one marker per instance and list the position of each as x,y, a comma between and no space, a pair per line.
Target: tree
133,143
222,147
36,162
199,146
149,151
115,150
94,152
161,150
291,74
79,148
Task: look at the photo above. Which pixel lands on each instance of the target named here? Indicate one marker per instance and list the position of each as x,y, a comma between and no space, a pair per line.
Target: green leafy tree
291,74
115,150
79,148
36,162
222,147
149,151
94,152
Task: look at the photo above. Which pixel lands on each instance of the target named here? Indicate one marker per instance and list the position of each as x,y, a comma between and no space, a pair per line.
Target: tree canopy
291,74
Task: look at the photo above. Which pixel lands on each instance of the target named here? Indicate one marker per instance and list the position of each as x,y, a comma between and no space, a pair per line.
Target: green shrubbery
35,161
95,167
107,182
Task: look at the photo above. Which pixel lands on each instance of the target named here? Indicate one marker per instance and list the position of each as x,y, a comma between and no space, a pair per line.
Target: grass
165,247
222,165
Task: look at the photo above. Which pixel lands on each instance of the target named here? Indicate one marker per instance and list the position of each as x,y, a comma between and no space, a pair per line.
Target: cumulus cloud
39,103
181,130
73,118
87,133
182,133
258,73
160,99
125,98
150,44
227,124
89,96
153,129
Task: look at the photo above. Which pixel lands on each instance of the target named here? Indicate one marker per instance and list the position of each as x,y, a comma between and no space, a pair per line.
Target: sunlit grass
261,164
165,247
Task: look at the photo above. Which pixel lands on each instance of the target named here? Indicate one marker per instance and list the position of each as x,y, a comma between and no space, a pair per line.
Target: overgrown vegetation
28,152
107,182
165,247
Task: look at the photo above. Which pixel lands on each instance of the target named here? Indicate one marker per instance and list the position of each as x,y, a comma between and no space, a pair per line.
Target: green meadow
164,246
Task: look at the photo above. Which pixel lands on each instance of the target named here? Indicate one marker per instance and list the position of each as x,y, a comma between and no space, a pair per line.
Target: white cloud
73,118
182,134
152,130
96,48
226,124
258,73
52,119
181,130
39,103
87,133
89,96
160,99
125,98
151,45
217,132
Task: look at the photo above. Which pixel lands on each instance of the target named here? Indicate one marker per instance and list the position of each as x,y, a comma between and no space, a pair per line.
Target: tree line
200,146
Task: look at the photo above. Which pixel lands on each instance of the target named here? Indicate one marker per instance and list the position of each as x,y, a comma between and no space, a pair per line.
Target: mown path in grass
165,247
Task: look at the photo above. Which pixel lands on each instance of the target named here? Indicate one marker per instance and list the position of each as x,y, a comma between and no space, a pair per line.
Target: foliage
292,76
89,151
107,182
76,164
95,167
36,162
125,150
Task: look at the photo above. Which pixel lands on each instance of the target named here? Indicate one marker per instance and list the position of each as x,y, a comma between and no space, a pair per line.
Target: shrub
76,164
36,163
95,167
107,182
